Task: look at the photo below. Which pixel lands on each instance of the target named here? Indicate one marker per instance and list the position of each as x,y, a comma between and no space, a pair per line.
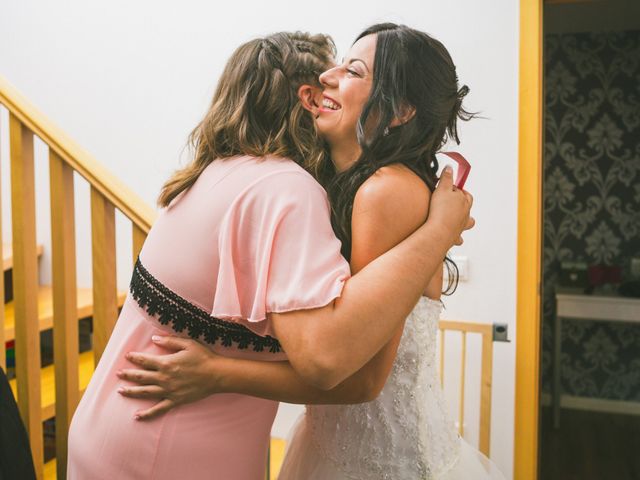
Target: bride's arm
387,209
328,345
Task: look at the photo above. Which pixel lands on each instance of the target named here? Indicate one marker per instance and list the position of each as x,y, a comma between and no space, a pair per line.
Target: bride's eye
353,72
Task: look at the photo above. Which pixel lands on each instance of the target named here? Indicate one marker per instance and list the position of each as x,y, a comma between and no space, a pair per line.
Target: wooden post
441,357
65,312
486,377
103,244
463,366
139,236
527,394
25,285
3,351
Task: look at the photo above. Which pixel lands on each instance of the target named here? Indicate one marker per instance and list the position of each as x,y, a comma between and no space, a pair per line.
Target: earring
386,131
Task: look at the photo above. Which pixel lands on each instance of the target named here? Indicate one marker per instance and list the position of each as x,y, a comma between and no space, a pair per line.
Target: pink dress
252,236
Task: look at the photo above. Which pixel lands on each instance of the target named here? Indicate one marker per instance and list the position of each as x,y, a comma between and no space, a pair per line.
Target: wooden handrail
486,375
122,197
108,194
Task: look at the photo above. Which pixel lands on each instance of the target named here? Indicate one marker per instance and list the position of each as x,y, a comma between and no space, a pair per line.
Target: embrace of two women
298,258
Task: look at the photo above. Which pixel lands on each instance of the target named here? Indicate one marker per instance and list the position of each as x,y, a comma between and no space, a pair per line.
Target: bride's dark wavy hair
411,71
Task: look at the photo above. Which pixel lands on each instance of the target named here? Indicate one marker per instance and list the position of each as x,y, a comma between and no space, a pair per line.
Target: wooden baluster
442,357
3,352
138,240
65,311
462,375
485,390
105,302
25,285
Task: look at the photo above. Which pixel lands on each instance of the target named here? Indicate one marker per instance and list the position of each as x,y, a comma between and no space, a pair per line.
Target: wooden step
45,309
48,383
276,456
50,472
7,255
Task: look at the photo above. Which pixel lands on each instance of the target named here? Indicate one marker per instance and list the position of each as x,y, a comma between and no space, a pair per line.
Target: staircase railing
107,195
486,374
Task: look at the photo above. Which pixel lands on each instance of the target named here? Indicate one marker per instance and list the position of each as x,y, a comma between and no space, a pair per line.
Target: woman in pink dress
244,260
386,111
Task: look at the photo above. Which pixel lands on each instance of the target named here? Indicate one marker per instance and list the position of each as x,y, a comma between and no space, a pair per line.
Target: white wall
128,80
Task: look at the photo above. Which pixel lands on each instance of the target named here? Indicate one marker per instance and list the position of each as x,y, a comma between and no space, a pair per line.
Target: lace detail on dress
405,433
171,309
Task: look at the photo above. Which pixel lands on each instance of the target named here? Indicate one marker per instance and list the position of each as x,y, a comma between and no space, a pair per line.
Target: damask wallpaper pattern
592,199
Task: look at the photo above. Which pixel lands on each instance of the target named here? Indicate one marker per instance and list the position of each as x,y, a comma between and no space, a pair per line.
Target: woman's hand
451,208
187,375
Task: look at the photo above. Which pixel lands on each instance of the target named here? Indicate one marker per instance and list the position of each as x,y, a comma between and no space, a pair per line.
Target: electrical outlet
501,332
462,262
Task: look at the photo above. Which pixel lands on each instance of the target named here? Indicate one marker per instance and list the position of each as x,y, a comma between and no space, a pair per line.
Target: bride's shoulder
393,188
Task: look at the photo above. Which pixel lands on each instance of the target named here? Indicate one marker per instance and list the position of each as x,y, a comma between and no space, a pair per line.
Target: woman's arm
388,208
327,345
321,343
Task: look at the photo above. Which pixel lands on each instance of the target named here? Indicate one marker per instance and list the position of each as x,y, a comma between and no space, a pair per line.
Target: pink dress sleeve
278,252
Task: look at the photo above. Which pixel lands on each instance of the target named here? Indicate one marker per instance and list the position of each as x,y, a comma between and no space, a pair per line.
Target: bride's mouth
329,104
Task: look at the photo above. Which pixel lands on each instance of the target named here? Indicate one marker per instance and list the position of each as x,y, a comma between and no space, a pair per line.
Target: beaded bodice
405,433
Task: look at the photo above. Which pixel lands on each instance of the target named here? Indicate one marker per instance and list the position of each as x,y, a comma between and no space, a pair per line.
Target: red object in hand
464,167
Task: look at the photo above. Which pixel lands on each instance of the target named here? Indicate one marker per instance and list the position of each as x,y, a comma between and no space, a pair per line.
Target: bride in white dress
384,112
403,434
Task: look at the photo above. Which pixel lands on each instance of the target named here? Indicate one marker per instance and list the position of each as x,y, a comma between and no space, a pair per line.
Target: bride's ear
309,97
406,113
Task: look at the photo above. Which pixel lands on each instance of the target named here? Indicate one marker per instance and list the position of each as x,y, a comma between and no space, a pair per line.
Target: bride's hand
450,208
184,376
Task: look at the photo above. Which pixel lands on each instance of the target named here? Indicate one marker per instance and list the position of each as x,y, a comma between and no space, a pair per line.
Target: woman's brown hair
255,109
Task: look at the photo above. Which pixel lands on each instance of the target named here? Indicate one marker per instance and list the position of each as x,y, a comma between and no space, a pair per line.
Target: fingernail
448,170
119,373
121,390
156,338
136,417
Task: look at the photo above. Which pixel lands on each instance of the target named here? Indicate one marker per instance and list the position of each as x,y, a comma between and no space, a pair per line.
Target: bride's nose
329,77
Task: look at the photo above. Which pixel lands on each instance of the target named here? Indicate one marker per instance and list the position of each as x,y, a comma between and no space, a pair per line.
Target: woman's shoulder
393,187
262,166
253,175
281,170
278,185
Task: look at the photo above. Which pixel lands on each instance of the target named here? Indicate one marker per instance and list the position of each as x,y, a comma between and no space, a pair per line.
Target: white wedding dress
405,434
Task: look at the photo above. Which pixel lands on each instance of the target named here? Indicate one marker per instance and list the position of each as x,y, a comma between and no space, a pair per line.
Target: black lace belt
171,309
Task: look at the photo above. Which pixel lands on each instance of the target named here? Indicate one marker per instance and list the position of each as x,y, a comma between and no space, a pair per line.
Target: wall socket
501,332
462,262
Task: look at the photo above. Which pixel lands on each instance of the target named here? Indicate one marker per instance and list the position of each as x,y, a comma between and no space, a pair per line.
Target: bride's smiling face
347,88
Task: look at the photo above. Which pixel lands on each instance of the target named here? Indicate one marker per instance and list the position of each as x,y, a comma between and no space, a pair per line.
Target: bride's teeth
329,104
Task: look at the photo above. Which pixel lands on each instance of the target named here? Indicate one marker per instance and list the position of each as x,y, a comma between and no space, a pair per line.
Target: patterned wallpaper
592,198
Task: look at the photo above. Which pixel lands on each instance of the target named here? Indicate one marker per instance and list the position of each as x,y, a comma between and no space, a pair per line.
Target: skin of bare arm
408,265
327,345
388,208
362,321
